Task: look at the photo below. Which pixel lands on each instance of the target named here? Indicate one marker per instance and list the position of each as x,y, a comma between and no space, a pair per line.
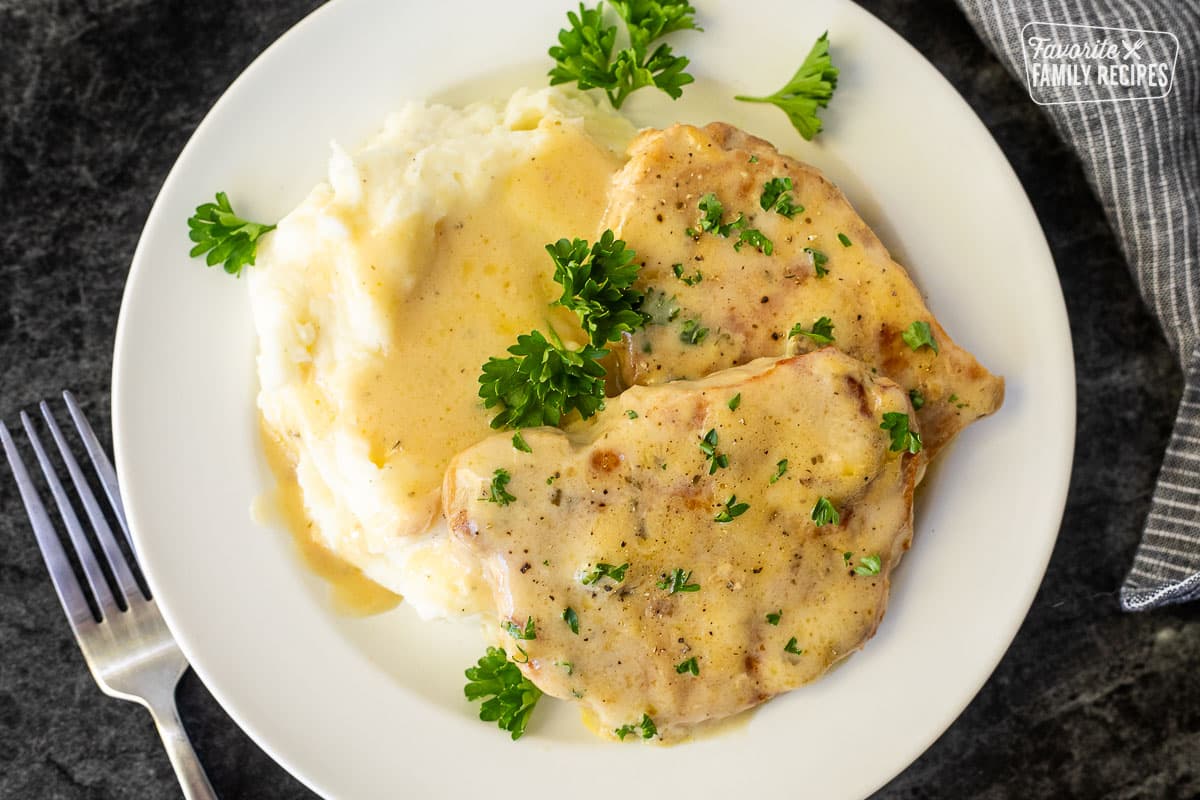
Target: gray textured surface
96,100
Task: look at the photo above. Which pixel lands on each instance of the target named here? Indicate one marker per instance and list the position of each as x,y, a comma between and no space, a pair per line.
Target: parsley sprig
542,382
598,286
584,53
226,237
810,89
512,696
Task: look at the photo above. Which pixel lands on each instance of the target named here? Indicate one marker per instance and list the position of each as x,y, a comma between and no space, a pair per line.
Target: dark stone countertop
96,101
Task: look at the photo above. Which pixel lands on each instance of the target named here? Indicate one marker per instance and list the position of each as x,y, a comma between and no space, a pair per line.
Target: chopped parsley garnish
919,335
691,332
896,424
810,89
869,565
708,446
604,571
690,665
647,727
519,443
660,308
733,510
711,212
499,491
777,196
567,665
631,414
790,647
735,401
753,159
688,280
572,619
819,260
821,333
844,239
512,696
781,466
677,581
755,238
916,398
598,286
773,619
521,634
227,238
542,382
584,53
824,513
846,558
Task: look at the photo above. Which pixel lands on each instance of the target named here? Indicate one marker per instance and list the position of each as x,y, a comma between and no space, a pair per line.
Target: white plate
361,708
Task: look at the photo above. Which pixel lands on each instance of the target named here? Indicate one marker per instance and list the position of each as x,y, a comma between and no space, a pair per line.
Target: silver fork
130,652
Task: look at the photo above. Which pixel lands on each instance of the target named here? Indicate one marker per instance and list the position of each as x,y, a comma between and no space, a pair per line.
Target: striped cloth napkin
1141,153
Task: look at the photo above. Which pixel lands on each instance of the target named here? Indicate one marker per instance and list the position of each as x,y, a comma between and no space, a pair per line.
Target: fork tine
104,534
104,467
87,559
69,594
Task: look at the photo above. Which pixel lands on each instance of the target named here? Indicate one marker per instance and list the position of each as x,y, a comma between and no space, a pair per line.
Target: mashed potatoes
377,300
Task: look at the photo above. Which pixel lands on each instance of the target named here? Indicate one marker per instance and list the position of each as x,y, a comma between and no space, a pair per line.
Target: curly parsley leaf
781,467
511,696
598,286
584,53
821,333
918,335
916,398
791,647
227,238
896,424
542,382
572,619
690,665
810,89
774,617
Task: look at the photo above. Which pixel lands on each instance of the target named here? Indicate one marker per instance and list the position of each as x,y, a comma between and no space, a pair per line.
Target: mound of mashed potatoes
377,300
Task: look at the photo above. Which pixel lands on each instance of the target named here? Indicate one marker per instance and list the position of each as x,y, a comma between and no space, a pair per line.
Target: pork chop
699,548
721,295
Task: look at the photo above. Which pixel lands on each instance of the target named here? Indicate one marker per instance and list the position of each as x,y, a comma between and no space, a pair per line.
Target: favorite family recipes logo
1067,63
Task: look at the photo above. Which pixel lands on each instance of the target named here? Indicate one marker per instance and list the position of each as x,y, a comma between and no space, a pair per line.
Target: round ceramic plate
373,707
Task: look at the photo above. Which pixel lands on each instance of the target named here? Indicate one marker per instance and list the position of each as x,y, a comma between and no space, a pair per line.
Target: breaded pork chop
717,303
668,559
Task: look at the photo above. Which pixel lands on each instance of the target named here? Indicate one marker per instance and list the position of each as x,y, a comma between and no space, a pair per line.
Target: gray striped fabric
1142,158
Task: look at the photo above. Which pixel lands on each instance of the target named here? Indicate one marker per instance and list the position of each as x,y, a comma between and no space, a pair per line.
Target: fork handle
183,758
